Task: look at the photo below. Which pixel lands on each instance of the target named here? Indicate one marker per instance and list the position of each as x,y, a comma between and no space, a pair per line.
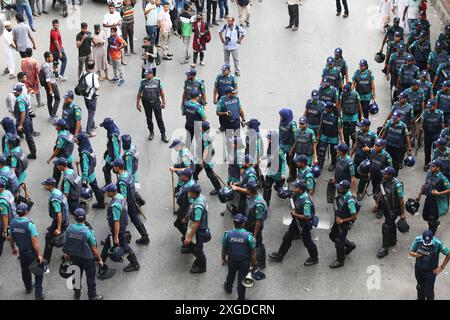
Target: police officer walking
345,167
364,84
194,113
302,215
313,111
397,139
248,174
71,113
390,201
305,173
154,100
407,73
7,212
193,84
238,245
8,177
432,125
117,218
71,185
350,103
396,61
332,73
58,210
23,234
345,212
131,159
81,248
112,147
443,99
223,81
442,74
330,133
184,158
442,153
305,142
229,110
276,166
426,249
435,58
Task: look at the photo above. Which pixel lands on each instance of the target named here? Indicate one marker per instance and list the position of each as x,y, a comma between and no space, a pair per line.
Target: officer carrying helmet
276,166
442,153
379,159
71,184
432,125
7,212
223,81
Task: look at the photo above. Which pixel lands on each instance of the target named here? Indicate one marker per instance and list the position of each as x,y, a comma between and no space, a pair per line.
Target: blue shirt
234,33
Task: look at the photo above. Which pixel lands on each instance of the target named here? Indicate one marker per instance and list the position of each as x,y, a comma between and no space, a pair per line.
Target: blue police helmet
126,140
195,188
329,105
61,161
185,172
109,188
438,45
330,60
229,89
116,254
191,72
49,182
60,123
442,141
252,186
2,183
364,123
302,120
301,158
415,82
17,88
380,142
205,125
343,147
389,171
431,103
409,161
343,185
226,194
446,83
22,208
119,163
80,213
316,171
436,163
448,59
86,193
13,140
338,51
347,87
409,58
424,74
396,115
226,66
239,219
300,183
106,122
175,143
3,160
315,94
427,237
363,63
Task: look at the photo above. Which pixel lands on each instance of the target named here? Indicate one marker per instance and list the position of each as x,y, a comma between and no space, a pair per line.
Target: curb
442,8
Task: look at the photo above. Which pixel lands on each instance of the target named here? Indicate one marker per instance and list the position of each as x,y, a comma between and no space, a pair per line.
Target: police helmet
364,168
252,186
316,171
373,108
380,57
63,272
116,254
59,241
284,193
13,141
80,213
338,51
195,93
412,206
343,185
226,194
300,183
301,158
126,141
38,268
410,161
363,63
86,193
239,219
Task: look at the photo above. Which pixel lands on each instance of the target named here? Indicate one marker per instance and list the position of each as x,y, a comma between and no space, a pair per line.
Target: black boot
164,138
134,264
31,147
340,258
385,232
76,294
100,197
275,256
144,235
311,261
261,257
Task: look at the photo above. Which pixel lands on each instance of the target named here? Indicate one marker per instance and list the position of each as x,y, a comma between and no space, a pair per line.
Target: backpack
82,88
42,77
178,25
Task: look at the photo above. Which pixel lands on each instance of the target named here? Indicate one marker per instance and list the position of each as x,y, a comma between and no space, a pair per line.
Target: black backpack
42,77
82,88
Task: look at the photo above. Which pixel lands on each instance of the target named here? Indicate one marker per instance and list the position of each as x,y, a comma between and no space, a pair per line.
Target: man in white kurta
10,50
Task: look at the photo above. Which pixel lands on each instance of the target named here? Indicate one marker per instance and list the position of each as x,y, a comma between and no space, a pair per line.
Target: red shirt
55,35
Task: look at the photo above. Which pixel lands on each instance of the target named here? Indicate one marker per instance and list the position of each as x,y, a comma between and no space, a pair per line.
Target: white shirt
233,34
385,7
110,19
92,83
8,38
152,16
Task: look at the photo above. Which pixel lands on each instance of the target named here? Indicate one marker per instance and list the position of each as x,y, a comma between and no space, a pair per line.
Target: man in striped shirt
127,13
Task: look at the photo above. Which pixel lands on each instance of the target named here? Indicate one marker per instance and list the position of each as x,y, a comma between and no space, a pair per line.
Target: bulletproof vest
342,211
200,202
409,73
364,139
327,97
313,112
307,174
342,169
248,173
10,178
131,191
438,59
189,86
414,98
286,136
110,145
399,60
7,198
21,234
432,122
75,185
251,210
133,153
123,215
340,64
76,243
304,142
22,162
231,104
182,194
151,89
330,124
395,136
300,204
445,158
378,161
334,76
92,160
67,150
426,88
391,195
433,181
68,115
393,30
222,83
444,74
349,103
430,258
405,112
192,114
17,109
238,246
363,85
444,101
180,163
421,51
58,197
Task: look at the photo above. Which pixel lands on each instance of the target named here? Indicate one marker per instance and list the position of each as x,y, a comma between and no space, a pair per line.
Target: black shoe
41,297
97,297
76,294
275,256
379,214
338,14
400,166
331,167
348,250
170,55
382,253
164,138
31,156
185,250
140,202
345,15
98,206
197,269
132,267
337,264
214,192
288,27
143,240
45,12
311,261
28,291
151,135
227,290
36,134
384,70
33,29
215,23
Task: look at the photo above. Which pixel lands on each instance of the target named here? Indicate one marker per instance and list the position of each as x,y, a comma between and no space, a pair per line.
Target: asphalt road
279,68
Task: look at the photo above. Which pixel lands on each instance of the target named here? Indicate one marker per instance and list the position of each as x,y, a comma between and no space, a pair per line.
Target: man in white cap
10,50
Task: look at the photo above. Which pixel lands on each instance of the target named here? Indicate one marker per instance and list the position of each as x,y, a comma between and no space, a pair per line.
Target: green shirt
66,183
251,240
116,207
198,210
89,234
348,197
55,203
21,100
31,226
439,246
61,143
115,142
201,110
309,178
364,75
14,162
85,177
123,187
306,204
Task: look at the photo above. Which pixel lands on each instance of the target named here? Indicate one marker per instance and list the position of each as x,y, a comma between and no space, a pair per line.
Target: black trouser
2,242
107,172
155,107
197,250
425,283
26,258
241,268
259,246
196,53
389,229
322,150
293,15
178,222
209,4
338,235
53,102
376,182
293,232
99,196
134,217
363,180
173,17
123,244
397,154
339,8
431,213
28,132
365,108
88,266
57,174
429,138
209,173
269,182
128,34
349,131
49,239
74,204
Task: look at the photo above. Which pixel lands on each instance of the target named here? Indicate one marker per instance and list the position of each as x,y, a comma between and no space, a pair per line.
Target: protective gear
412,206
373,107
364,168
315,169
380,57
363,85
225,195
65,264
37,268
116,254
86,193
67,150
237,245
75,185
76,243
402,226
59,241
409,161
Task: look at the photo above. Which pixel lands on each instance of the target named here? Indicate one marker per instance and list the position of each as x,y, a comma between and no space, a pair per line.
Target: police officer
23,120
426,249
405,109
80,247
276,166
432,124
390,201
442,74
396,60
112,147
313,109
238,245
7,212
58,210
436,190
302,215
444,38
71,113
442,153
254,144
363,82
426,85
184,158
287,129
340,63
345,167
197,230
305,142
415,97
223,80
390,33
414,33
193,84
186,182
420,49
8,176
8,126
392,47
332,73
435,58
329,93
345,213
397,139
443,99
23,234
125,186
407,73
71,185
330,133
229,110
117,218
206,162
305,173
256,213
131,159
64,146
351,111
248,174
235,159
194,113
445,133
154,100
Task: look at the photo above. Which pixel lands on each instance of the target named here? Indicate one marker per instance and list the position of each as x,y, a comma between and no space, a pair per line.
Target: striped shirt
127,13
